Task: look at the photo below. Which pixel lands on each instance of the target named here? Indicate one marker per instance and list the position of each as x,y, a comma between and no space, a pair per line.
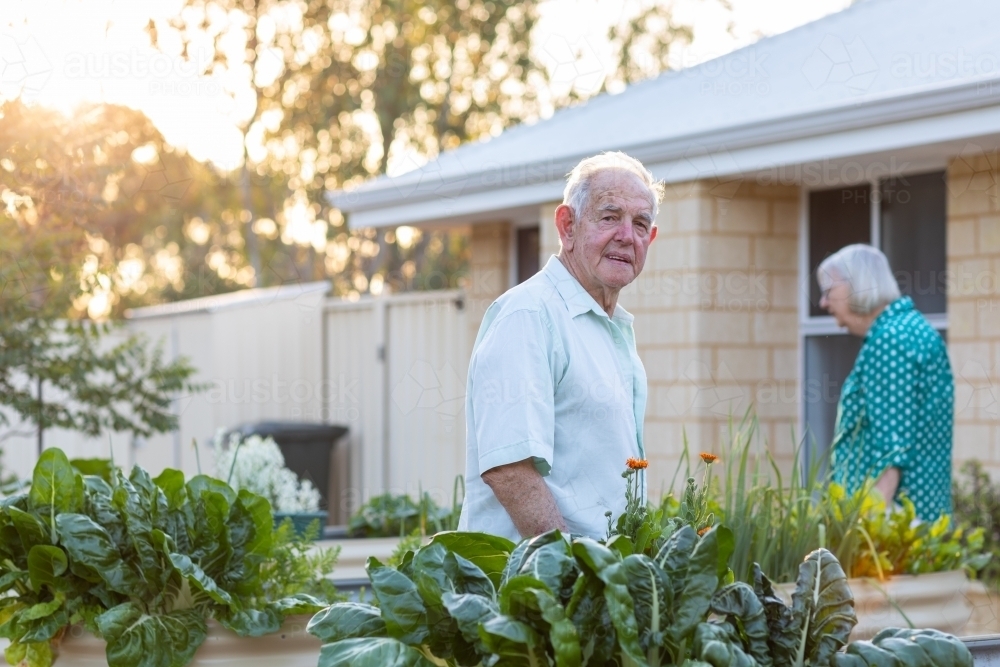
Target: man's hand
887,484
523,493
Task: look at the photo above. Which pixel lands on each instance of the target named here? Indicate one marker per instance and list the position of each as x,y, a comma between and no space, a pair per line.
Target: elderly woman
894,420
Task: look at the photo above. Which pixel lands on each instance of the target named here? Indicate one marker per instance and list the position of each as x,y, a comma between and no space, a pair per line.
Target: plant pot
946,601
301,520
291,646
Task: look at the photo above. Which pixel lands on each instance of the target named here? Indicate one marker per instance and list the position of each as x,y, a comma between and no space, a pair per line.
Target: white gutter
739,149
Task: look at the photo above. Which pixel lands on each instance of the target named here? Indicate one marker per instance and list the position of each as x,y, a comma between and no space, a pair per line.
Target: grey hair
866,271
577,190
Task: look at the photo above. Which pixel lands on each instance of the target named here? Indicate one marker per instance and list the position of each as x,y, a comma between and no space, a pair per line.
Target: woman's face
834,301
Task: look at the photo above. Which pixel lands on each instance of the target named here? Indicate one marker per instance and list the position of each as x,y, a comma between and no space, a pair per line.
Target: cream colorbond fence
392,369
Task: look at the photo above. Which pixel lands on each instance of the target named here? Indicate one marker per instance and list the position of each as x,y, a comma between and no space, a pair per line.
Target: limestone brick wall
717,320
974,305
489,271
548,237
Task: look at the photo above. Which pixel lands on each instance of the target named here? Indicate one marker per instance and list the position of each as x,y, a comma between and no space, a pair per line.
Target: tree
337,90
62,185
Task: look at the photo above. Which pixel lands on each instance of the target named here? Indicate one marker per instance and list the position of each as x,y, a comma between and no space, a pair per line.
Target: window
906,219
528,249
913,235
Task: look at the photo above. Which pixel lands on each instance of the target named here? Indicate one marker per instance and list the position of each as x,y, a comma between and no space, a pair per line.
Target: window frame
826,325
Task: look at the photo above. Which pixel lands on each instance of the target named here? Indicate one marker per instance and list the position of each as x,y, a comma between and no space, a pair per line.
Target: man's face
610,238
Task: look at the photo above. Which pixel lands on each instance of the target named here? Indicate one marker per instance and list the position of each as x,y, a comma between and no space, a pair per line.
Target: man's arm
523,493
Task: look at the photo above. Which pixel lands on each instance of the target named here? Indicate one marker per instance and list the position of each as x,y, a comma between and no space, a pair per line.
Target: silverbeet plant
473,599
140,562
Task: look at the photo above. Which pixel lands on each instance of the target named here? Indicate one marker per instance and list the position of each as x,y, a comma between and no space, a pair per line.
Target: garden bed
291,646
946,601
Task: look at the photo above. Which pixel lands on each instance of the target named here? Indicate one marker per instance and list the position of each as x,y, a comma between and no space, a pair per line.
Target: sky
63,52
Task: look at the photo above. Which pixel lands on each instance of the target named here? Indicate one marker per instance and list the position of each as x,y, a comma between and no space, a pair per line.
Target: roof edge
889,108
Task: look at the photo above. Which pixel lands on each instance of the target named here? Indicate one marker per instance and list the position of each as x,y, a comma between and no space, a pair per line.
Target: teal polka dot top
896,409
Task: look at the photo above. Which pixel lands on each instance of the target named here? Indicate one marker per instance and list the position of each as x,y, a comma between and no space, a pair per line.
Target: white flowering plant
256,464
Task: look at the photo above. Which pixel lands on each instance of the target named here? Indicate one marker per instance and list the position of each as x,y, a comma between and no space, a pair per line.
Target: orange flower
709,458
704,530
636,464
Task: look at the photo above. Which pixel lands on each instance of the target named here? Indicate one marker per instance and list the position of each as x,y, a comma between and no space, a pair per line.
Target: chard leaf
40,610
469,611
783,632
32,654
402,607
171,482
347,620
371,652
674,556
513,641
488,552
913,648
250,525
15,653
822,608
467,577
299,603
523,550
46,564
652,597
699,580
588,611
200,484
432,581
136,639
250,622
30,529
90,545
517,598
257,540
719,646
55,486
429,575
102,469
134,510
562,633
10,579
44,628
552,564
208,532
199,579
745,613
607,566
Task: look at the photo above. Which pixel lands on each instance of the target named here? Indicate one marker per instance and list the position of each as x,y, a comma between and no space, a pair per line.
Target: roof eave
379,202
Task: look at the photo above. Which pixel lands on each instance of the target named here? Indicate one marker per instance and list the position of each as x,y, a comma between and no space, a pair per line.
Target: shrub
256,464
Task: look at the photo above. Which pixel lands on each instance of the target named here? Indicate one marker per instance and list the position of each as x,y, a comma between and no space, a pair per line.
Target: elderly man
556,390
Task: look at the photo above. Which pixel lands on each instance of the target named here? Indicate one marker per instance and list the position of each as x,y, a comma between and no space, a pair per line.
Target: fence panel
428,357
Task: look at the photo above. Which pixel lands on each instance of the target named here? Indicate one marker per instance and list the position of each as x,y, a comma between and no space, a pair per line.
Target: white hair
577,192
866,271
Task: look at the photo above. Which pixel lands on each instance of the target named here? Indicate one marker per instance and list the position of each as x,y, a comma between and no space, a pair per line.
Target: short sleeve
890,382
512,392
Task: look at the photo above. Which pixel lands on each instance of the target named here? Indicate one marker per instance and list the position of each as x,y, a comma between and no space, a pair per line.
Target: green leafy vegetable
144,563
577,603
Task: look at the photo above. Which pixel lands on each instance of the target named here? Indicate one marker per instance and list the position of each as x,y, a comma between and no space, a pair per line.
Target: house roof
918,71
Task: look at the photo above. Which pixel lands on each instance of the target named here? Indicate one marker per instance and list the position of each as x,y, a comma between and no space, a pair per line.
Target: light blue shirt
553,378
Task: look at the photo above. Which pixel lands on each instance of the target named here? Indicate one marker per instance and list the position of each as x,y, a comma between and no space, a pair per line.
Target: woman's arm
888,483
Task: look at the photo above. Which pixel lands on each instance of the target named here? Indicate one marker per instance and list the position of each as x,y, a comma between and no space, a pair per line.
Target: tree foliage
62,192
334,92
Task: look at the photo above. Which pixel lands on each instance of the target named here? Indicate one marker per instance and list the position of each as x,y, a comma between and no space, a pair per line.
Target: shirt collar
577,299
898,307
